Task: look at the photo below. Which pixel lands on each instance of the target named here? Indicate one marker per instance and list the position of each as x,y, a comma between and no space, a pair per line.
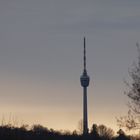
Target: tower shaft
85,112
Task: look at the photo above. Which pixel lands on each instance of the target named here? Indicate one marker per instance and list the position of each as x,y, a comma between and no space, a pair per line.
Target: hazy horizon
41,46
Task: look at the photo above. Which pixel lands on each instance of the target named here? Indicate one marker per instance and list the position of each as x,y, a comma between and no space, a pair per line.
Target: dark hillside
38,132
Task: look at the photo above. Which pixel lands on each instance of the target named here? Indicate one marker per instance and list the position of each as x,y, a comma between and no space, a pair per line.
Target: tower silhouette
85,83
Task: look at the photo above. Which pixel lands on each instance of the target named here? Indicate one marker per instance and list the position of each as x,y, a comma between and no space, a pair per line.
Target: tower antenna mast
84,53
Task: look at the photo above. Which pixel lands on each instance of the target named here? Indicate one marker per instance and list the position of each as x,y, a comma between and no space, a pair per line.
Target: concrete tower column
85,111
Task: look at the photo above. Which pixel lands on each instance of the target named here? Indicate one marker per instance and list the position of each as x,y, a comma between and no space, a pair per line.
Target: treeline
38,132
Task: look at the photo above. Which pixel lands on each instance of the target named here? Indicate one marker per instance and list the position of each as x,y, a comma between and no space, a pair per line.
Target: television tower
85,83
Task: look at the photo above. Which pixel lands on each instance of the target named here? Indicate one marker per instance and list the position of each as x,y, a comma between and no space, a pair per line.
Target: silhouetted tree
132,120
75,133
38,132
80,126
39,129
94,131
105,133
122,136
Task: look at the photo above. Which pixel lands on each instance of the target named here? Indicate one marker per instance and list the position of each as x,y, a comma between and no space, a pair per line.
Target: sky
41,46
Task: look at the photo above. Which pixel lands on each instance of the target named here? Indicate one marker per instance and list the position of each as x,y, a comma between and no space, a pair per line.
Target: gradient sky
41,45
